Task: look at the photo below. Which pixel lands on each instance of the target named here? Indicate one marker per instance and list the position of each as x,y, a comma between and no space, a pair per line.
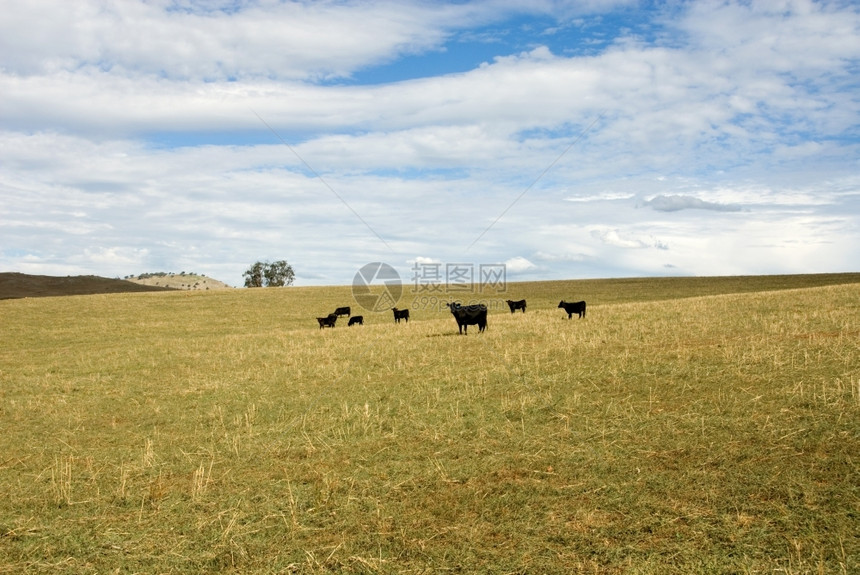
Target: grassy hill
685,425
180,281
17,285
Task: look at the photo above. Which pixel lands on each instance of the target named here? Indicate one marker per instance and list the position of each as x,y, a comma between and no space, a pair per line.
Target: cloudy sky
563,139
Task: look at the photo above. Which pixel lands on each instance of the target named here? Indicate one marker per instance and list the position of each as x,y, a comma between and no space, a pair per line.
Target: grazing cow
400,314
515,305
342,311
577,307
359,319
469,315
327,321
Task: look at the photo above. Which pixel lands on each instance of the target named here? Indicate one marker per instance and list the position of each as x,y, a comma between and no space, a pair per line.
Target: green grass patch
685,425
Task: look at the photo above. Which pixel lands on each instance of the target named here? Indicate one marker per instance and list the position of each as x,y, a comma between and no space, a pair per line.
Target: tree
267,274
254,276
279,274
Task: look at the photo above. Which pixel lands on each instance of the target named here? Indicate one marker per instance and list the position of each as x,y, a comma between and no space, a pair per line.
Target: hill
180,281
17,285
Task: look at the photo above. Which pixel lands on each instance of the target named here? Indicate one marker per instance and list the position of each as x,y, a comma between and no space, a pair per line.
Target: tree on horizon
265,274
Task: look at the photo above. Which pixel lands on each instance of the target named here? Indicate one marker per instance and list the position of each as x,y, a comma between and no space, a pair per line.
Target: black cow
515,305
577,307
327,321
342,311
400,314
469,315
359,319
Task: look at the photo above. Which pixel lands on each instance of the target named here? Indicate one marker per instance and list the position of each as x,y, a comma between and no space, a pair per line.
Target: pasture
700,425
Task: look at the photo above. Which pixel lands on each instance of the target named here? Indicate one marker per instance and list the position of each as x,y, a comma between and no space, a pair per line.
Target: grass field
699,425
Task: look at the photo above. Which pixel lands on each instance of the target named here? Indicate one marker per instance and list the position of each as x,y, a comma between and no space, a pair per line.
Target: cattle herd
330,319
465,315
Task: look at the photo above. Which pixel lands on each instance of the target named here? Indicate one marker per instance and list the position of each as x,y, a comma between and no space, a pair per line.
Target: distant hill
17,285
180,281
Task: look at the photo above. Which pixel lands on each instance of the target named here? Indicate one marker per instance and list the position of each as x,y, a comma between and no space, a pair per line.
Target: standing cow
342,311
400,314
577,307
515,305
327,321
469,315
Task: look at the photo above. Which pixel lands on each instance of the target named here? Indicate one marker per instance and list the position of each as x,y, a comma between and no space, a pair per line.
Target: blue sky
562,139
468,49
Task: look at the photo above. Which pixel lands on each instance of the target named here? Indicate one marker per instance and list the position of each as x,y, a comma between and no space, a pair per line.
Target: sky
560,140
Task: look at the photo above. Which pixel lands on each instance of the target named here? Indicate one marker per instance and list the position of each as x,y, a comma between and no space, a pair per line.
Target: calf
469,315
356,319
327,321
400,314
515,305
577,307
342,311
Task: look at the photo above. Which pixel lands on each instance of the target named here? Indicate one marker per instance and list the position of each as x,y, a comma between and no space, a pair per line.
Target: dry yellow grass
198,432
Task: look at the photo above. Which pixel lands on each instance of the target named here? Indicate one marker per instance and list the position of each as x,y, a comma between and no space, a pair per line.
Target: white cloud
115,256
560,257
519,264
604,197
619,239
421,260
283,40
